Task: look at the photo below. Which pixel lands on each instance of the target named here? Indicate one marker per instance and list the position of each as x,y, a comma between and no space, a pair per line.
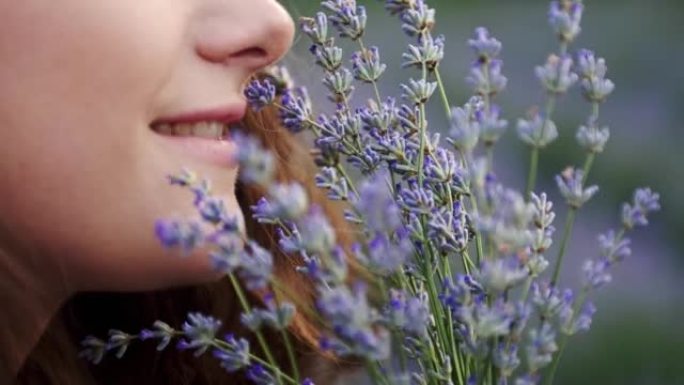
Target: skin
83,177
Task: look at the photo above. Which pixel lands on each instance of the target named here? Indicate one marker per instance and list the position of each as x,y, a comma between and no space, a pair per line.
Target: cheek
78,61
79,179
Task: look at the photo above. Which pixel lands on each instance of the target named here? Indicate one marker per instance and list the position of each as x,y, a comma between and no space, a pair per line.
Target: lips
176,133
226,114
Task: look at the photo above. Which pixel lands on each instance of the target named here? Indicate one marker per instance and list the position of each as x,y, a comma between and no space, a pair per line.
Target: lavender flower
199,331
418,91
276,315
572,324
508,223
226,256
339,83
186,178
366,65
328,56
337,187
316,28
417,20
447,228
255,163
595,86
184,234
612,247
491,127
464,129
592,138
288,201
120,341
408,313
161,331
537,131
486,321
415,198
378,119
506,358
645,201
543,218
256,267
258,375
596,273
352,319
296,113
555,75
501,274
486,78
349,19
485,47
212,210
385,256
429,53
93,350
570,184
235,355
317,235
260,94
548,300
541,347
565,17
377,205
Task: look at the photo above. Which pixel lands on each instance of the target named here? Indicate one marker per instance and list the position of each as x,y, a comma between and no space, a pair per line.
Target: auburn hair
55,361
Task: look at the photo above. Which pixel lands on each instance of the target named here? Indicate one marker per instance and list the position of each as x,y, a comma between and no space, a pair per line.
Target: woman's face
83,174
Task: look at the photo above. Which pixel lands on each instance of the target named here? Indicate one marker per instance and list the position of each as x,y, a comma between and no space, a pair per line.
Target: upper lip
225,114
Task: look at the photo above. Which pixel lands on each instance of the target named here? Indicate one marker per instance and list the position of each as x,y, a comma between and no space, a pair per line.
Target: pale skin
83,179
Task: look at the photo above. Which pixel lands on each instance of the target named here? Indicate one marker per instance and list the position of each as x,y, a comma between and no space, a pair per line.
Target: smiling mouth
205,129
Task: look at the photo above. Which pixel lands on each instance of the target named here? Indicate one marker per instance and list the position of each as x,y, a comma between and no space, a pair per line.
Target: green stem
587,166
561,251
534,159
442,93
221,345
260,337
564,340
489,151
342,171
532,172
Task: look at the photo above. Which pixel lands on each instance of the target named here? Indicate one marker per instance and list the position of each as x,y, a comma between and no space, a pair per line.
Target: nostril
252,52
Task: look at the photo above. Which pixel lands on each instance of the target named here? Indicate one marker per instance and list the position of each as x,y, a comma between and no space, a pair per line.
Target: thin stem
442,93
260,337
289,348
290,354
561,251
564,340
587,166
532,172
221,345
350,183
489,151
473,203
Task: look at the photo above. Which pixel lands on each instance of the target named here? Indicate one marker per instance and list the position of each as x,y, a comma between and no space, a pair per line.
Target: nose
247,33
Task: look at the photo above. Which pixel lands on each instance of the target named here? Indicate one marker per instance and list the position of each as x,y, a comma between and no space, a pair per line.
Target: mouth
205,129
201,135
216,124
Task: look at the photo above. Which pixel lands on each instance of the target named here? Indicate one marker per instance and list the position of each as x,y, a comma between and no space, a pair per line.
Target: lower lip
213,151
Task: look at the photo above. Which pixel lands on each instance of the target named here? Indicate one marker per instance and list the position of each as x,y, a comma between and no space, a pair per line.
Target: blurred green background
638,332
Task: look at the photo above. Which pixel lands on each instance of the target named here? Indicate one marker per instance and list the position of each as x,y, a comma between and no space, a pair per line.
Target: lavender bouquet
468,292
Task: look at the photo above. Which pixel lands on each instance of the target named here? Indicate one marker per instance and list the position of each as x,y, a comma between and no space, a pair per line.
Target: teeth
209,130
